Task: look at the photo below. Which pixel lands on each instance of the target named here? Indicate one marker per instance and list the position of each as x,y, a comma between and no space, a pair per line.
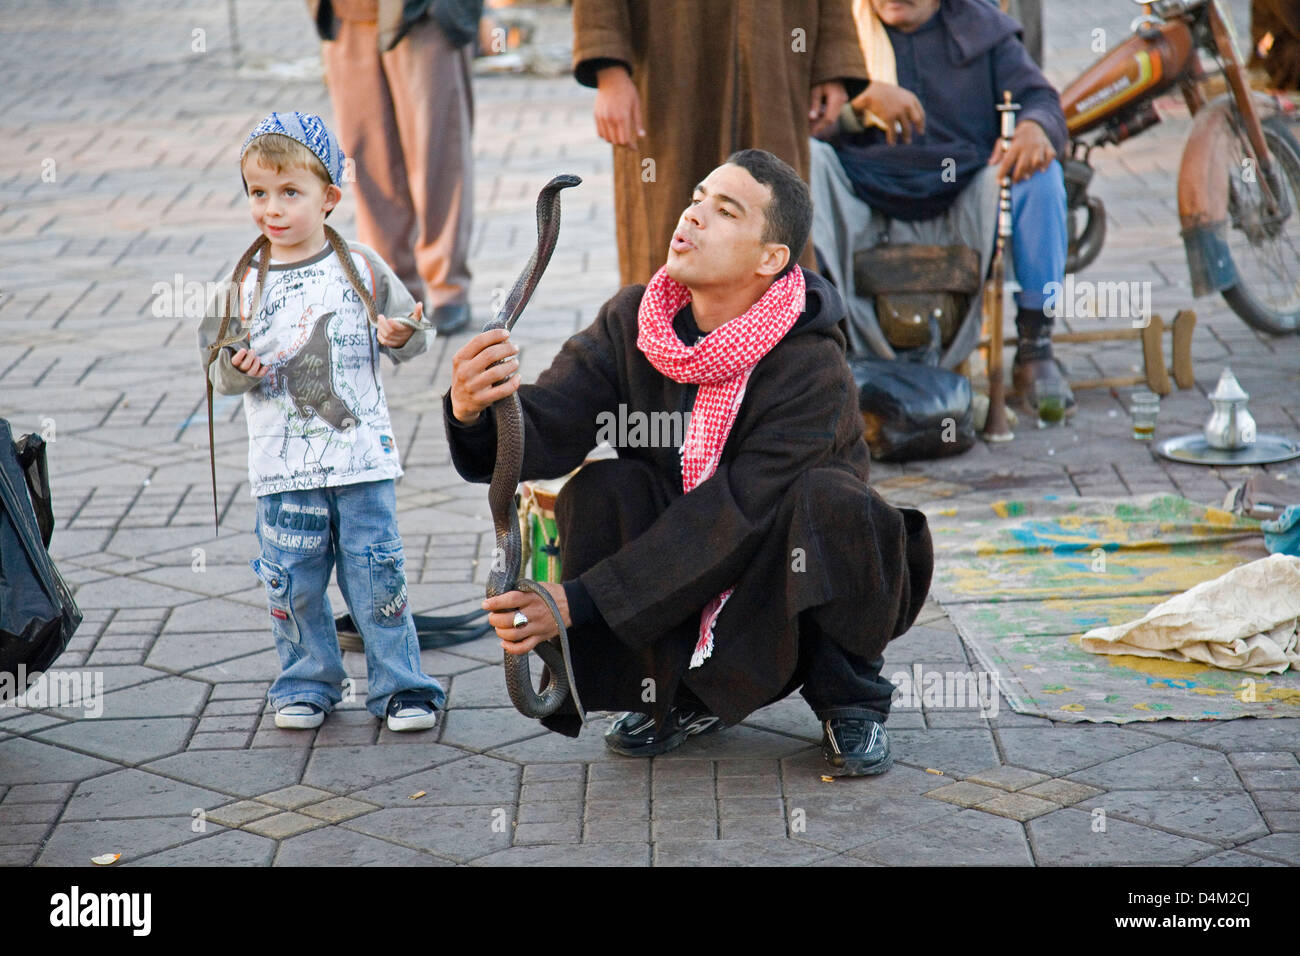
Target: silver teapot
1231,427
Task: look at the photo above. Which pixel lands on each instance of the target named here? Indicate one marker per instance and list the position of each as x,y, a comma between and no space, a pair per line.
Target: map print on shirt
313,332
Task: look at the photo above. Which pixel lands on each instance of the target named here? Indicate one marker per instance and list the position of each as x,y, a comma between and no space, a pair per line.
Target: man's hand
395,334
475,386
618,108
540,626
894,105
1031,152
827,99
246,361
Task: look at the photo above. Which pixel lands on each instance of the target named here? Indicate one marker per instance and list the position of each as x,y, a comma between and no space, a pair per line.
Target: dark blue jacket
957,65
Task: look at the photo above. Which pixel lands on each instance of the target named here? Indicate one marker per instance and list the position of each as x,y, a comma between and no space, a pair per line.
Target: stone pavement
118,183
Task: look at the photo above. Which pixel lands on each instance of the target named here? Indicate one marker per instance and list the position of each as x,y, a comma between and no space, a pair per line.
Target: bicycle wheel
1265,248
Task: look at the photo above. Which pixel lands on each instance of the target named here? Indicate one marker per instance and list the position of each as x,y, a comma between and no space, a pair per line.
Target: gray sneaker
633,734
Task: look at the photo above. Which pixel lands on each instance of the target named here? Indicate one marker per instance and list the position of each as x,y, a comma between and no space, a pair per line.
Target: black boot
1034,362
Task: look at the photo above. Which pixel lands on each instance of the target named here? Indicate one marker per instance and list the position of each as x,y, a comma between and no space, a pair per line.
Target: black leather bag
37,613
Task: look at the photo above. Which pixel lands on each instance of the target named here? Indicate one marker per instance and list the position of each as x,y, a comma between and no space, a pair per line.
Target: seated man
938,70
718,566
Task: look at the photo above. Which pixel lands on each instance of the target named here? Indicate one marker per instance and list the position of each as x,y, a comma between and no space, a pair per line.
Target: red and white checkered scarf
720,363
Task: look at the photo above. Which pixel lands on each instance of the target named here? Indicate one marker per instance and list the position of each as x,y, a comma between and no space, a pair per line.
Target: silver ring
520,619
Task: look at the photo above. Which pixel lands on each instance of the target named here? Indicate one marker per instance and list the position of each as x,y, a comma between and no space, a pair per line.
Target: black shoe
633,735
451,318
855,747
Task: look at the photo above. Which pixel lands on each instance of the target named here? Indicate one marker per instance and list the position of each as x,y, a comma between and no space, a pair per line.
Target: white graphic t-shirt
319,418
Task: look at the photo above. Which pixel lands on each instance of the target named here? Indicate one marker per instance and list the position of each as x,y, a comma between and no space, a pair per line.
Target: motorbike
1239,176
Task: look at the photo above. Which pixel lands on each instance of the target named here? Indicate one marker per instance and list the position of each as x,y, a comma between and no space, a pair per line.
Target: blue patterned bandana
311,131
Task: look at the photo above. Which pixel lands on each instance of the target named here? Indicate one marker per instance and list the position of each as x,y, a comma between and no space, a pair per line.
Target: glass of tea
1144,407
1050,399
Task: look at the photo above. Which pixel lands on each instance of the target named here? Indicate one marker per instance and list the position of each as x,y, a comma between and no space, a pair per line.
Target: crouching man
705,580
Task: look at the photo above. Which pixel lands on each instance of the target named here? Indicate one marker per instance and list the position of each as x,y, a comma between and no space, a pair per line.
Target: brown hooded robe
713,76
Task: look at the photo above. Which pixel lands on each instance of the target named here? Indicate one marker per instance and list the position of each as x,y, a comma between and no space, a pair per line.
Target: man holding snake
707,580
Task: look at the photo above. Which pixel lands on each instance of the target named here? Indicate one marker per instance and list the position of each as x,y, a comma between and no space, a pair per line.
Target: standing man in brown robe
711,568
682,84
399,81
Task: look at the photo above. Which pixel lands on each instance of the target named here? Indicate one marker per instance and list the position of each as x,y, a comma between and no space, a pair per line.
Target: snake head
562,181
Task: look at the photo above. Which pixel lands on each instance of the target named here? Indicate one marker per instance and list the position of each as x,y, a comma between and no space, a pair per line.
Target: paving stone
748,786
21,854
31,761
340,769
685,852
1065,792
1066,838
1249,733
226,741
281,825
295,797
1264,760
686,828
456,833
730,808
626,808
1017,806
225,848
583,855
555,772
215,706
124,741
1276,846
1063,750
29,813
338,809
684,787
743,742
846,819
485,728
562,831
964,793
551,811
75,843
166,697
25,723
1281,821
1277,799
679,808
134,793
39,793
1170,765
568,791
616,831
968,838
474,781
589,747
1233,858
335,846
240,690
807,774
956,752
1007,778
243,773
241,812
1271,779
22,833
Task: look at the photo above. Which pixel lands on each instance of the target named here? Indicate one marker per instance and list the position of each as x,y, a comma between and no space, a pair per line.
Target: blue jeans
303,534
1039,234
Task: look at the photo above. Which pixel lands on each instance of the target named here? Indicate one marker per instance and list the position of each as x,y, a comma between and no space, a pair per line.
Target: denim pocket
278,598
388,583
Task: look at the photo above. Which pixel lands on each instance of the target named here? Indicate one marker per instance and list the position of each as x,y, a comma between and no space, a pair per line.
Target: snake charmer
714,568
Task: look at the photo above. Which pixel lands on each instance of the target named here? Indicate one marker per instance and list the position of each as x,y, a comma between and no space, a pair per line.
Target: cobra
504,576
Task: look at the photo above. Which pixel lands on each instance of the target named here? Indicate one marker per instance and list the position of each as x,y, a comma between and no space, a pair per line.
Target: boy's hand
246,361
475,385
396,334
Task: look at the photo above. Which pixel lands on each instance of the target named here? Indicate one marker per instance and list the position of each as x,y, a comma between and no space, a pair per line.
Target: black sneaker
855,747
633,735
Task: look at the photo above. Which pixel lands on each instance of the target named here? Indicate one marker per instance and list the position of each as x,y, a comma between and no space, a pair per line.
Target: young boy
321,452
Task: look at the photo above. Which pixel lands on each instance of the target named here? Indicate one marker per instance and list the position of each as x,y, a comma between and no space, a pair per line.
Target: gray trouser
843,224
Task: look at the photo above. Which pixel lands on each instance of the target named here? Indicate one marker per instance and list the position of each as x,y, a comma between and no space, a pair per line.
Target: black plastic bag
913,411
37,613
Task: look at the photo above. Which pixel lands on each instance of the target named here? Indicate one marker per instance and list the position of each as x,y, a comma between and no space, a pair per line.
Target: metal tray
1195,450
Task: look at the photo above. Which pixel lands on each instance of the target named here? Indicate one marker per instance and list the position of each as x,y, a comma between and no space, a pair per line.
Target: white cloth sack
1244,620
